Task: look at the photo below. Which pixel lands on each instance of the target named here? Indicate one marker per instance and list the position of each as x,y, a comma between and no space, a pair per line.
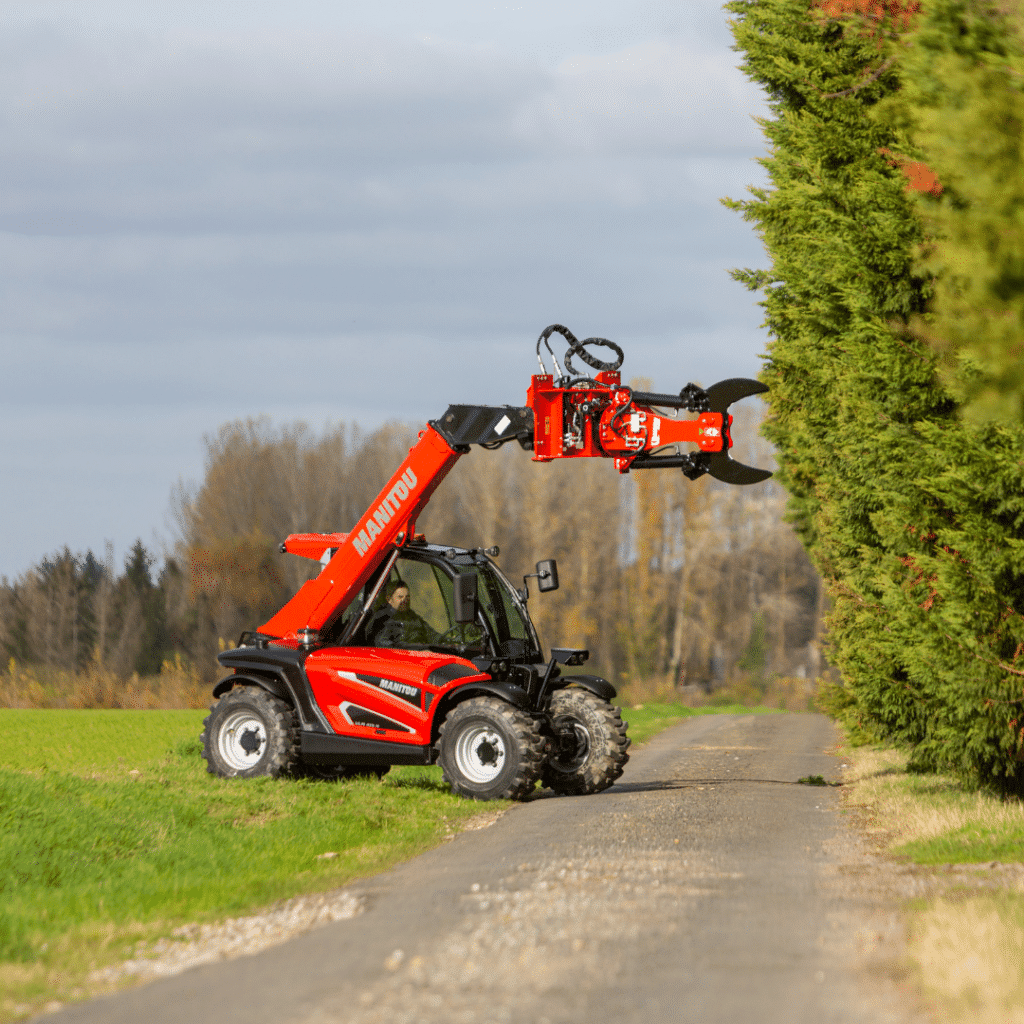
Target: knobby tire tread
282,733
528,739
608,739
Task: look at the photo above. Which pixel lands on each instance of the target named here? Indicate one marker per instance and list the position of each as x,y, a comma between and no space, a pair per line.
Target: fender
508,692
271,685
595,684
280,671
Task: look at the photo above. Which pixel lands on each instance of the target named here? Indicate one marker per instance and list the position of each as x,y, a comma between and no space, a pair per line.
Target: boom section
390,522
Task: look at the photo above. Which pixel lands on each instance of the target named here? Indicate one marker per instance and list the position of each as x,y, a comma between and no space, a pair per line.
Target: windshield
506,615
415,609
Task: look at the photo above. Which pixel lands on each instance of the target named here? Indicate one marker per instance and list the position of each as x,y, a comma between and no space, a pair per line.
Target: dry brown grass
654,690
970,957
791,693
966,950
178,685
910,808
787,693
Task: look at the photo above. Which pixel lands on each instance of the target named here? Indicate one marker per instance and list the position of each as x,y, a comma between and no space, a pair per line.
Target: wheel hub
573,747
251,741
480,754
242,740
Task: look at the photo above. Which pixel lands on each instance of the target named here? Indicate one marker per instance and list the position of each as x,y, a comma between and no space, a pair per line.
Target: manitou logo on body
381,515
402,689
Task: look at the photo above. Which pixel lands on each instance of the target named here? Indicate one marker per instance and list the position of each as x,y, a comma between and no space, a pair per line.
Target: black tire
588,751
248,733
335,773
490,750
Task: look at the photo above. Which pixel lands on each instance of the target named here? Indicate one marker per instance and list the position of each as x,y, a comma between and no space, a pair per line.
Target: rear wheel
490,750
588,752
248,733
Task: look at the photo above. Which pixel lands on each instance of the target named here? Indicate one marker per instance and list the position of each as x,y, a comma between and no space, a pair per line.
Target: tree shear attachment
595,416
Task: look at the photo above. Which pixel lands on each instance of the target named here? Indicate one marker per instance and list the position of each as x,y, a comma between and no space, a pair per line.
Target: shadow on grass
431,785
882,772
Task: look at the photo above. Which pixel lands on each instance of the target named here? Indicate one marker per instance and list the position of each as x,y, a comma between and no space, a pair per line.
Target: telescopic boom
568,415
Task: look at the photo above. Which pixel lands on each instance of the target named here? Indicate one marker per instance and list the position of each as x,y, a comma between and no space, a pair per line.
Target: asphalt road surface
706,886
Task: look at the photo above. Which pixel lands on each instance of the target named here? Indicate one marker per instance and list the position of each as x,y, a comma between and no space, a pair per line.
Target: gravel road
706,886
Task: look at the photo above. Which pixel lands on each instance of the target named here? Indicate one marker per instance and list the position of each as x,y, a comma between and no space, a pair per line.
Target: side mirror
465,597
547,575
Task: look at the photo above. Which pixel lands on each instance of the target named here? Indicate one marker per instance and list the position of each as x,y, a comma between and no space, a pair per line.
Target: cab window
415,609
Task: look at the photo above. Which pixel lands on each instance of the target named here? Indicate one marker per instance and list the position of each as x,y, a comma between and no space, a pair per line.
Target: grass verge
966,949
931,819
112,835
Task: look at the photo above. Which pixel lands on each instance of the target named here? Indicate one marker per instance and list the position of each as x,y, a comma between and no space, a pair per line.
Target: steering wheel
452,636
455,637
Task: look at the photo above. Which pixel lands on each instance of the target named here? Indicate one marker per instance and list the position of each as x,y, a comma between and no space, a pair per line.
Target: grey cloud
162,132
203,225
653,97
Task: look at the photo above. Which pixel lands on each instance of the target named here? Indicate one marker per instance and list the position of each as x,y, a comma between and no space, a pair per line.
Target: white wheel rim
242,740
480,753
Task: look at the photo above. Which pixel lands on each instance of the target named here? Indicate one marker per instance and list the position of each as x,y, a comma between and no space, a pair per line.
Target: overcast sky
336,211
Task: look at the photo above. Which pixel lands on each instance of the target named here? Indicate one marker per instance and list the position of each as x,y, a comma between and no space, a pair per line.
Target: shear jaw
719,464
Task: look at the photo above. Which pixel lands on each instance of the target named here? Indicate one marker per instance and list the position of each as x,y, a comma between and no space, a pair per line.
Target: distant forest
667,581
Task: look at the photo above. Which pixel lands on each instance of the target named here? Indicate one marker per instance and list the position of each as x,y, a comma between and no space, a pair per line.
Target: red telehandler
402,651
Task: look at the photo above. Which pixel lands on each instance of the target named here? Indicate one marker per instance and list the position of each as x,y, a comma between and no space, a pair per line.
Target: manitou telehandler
405,652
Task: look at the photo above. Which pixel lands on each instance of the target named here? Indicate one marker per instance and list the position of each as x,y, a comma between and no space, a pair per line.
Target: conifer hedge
962,106
913,513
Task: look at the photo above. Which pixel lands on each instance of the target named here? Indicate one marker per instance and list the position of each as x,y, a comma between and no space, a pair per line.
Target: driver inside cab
396,624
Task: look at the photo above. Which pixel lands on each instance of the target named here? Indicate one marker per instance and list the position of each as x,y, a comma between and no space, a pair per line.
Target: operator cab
417,607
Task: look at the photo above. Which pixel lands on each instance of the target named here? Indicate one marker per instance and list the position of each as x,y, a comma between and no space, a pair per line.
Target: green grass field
89,741
112,832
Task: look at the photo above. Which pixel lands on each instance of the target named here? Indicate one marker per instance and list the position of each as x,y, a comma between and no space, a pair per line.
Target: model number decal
375,522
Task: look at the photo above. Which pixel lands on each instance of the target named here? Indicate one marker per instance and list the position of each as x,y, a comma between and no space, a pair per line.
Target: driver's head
399,599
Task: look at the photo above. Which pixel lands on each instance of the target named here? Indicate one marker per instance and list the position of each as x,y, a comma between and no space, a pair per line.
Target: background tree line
895,302
667,581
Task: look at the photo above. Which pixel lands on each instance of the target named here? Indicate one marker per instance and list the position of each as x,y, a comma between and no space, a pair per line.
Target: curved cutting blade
721,467
725,392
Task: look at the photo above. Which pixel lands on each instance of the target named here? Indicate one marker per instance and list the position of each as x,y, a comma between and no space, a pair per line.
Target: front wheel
248,732
490,750
588,751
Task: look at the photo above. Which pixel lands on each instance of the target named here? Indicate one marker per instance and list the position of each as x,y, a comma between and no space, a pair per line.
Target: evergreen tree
138,582
962,111
911,514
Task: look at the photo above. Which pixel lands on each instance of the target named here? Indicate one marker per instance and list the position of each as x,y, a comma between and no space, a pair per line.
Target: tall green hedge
962,106
912,513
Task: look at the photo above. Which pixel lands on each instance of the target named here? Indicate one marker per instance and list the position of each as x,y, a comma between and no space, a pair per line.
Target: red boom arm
390,521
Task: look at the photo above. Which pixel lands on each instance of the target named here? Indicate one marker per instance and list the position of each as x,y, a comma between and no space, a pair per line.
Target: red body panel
390,683
390,521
